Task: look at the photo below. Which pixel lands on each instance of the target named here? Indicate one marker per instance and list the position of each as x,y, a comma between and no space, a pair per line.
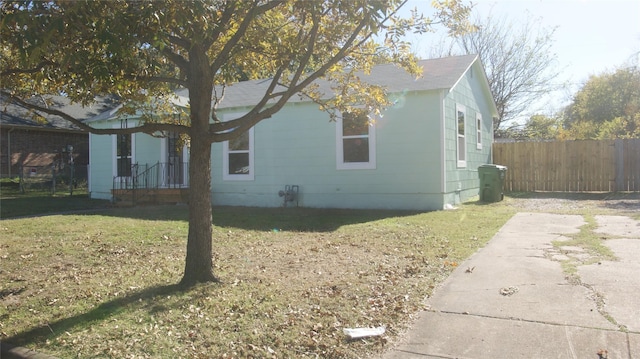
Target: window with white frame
355,141
478,131
237,156
461,141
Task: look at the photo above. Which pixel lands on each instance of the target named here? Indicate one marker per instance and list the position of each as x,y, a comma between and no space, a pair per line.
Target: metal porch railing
146,178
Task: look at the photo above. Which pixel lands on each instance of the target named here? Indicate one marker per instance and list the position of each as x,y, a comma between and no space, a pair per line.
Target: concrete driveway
521,296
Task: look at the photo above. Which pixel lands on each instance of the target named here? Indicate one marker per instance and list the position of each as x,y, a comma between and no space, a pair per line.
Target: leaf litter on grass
103,285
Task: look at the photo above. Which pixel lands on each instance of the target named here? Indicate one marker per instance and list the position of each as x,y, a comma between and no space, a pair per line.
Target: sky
591,36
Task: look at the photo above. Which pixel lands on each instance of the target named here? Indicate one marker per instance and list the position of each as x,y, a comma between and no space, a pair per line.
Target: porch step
151,196
121,203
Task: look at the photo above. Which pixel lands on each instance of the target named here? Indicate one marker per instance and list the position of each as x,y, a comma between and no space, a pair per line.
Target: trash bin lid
492,167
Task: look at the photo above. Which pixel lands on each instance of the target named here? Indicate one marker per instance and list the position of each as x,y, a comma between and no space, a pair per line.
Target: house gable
471,95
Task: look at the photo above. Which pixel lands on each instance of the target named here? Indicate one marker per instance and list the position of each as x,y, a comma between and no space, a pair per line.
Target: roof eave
41,128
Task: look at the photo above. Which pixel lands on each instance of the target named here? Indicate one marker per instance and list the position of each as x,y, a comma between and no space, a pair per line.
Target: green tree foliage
139,50
541,127
536,128
607,106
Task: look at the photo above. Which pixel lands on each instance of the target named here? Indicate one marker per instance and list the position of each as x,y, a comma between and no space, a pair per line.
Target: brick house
33,139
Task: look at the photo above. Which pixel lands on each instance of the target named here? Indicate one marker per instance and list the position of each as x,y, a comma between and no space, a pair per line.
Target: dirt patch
620,226
575,202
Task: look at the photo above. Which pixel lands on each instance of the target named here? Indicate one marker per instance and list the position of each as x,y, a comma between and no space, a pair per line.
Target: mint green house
421,154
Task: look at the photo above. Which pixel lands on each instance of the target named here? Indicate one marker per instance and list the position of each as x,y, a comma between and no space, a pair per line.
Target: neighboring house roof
16,116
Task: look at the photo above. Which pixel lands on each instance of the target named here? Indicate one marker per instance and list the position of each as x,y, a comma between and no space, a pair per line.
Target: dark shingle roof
437,74
441,73
15,115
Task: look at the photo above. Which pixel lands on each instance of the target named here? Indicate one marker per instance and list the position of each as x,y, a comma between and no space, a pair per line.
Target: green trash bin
492,182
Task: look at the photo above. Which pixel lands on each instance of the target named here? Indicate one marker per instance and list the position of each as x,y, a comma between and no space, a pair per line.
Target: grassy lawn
13,203
102,284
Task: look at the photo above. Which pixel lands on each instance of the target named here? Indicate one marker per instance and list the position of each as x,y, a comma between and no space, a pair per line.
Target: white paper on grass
355,333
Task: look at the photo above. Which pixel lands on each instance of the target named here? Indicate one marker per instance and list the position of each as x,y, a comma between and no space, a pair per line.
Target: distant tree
607,106
586,130
541,127
518,59
140,50
537,127
512,132
620,127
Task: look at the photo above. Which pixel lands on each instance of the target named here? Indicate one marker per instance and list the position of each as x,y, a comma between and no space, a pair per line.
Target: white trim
163,149
443,142
478,131
371,136
89,184
461,163
226,176
475,59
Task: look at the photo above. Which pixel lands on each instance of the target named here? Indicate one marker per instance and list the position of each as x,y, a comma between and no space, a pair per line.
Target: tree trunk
199,264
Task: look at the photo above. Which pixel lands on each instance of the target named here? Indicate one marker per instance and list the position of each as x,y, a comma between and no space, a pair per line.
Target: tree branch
148,128
223,131
176,40
41,65
161,79
244,25
177,59
226,17
313,35
217,127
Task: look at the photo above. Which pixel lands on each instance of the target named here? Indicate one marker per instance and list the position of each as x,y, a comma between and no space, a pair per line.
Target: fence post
53,180
619,163
71,177
134,184
22,178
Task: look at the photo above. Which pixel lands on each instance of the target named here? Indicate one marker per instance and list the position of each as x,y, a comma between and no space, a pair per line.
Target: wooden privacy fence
570,166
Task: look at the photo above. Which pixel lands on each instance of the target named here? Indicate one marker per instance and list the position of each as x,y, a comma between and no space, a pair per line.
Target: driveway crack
526,320
599,300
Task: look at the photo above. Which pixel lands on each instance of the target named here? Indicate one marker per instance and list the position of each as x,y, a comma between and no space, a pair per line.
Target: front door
176,166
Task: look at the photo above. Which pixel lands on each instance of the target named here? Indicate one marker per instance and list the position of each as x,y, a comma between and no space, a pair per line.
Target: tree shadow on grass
299,219
46,204
100,313
265,219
